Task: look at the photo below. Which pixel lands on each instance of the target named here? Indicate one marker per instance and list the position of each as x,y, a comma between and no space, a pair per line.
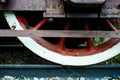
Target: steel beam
59,33
24,5
55,8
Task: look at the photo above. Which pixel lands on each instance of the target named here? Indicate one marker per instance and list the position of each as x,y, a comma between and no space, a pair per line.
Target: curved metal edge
61,59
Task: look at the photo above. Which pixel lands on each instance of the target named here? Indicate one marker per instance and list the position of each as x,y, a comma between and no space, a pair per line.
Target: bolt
50,20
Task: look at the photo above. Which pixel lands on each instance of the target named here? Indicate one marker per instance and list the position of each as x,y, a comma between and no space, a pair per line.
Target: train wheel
56,51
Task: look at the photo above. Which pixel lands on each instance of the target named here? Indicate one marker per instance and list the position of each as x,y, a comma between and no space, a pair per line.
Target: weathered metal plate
109,10
55,8
58,33
24,5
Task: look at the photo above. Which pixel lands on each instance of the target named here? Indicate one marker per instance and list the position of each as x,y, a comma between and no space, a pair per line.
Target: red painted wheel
67,51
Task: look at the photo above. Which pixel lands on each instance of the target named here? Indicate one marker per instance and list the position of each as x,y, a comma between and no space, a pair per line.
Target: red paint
61,49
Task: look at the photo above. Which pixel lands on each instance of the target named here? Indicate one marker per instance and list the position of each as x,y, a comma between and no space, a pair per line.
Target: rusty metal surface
108,10
58,33
55,8
3,1
24,5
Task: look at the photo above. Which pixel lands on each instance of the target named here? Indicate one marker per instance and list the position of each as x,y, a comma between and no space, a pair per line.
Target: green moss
117,58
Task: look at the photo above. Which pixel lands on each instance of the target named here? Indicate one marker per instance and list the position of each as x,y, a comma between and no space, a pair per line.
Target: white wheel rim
58,58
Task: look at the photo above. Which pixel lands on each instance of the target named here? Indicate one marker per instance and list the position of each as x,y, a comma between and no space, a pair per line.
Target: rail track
19,63
53,72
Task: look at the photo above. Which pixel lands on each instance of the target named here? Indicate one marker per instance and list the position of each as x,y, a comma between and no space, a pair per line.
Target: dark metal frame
55,8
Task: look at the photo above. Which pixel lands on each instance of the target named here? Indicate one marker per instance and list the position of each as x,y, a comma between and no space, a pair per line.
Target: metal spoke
40,24
90,44
111,25
61,43
23,22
